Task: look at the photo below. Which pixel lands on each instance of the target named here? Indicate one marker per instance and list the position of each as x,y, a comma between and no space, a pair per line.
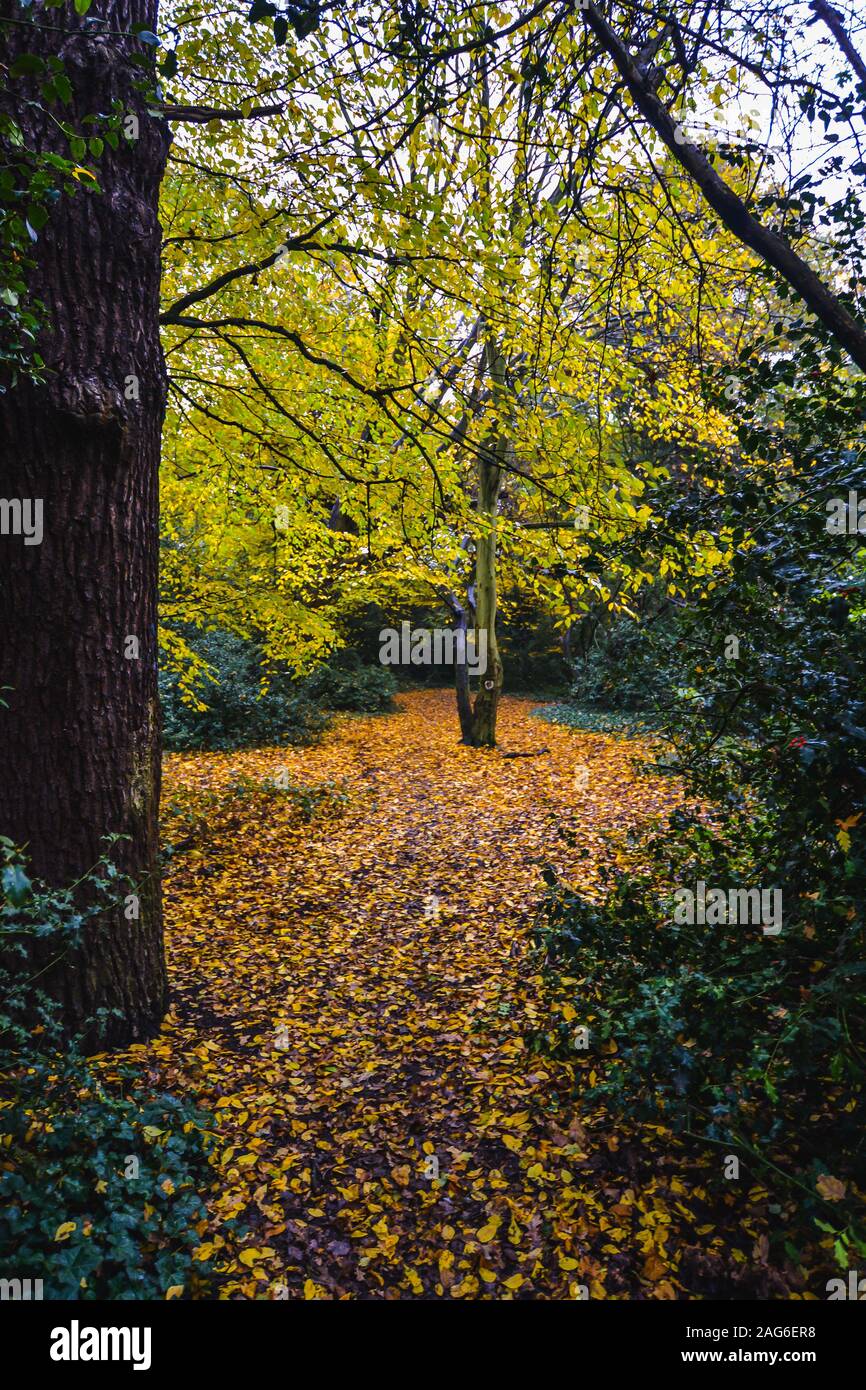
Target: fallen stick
536,754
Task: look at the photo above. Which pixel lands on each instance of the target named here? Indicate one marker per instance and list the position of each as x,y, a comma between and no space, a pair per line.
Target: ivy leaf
16,884
24,65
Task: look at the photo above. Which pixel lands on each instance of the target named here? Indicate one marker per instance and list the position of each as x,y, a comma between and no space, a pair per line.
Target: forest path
354,996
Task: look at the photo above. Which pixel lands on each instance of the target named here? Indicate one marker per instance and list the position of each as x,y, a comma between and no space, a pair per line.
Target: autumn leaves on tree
431,331
312,313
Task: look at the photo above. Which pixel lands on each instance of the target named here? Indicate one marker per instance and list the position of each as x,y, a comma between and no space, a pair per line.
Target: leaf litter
354,1001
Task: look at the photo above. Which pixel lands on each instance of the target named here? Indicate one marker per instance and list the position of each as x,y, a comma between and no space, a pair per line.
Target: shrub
629,667
239,713
344,683
752,1041
99,1179
530,648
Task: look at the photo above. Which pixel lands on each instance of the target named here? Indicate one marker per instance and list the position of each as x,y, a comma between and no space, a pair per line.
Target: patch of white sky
789,51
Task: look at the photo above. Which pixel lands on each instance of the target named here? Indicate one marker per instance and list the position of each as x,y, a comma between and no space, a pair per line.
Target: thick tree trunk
79,743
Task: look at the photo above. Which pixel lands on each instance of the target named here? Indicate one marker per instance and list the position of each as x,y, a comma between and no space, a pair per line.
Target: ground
355,999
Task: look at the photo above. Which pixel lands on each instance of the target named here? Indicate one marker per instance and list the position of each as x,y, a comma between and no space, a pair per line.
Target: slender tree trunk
461,673
79,743
486,706
833,19
491,460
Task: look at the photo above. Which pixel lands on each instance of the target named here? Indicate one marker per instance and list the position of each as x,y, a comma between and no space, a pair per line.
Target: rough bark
79,743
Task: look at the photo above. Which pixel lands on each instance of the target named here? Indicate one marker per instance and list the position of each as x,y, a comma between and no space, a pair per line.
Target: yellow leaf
65,1230
250,1256
654,1268
175,1291
832,1189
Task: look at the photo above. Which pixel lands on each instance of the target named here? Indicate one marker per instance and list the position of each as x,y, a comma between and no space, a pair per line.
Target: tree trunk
79,743
491,461
485,709
461,672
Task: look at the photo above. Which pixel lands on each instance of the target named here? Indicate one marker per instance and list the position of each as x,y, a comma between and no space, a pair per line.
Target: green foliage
530,649
246,703
26,192
597,721
32,180
240,709
628,666
528,643
343,683
748,1040
100,1180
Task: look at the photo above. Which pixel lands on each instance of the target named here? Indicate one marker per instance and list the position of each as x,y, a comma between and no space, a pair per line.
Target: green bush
530,648
747,1040
239,713
100,1181
629,667
529,645
344,683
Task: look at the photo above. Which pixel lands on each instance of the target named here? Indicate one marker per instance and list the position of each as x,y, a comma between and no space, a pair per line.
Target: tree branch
772,248
200,115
